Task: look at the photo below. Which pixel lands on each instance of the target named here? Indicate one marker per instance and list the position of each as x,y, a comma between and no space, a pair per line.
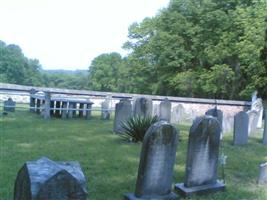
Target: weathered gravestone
155,171
218,114
48,180
123,111
178,114
165,110
202,158
142,107
263,174
105,109
252,121
240,128
9,105
265,128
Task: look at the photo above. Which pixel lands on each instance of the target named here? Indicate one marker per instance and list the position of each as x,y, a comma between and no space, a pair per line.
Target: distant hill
63,71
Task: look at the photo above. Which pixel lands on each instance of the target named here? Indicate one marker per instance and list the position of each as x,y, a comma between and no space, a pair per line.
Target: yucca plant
134,129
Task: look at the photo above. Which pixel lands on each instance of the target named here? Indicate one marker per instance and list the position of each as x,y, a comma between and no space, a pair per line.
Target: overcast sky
69,34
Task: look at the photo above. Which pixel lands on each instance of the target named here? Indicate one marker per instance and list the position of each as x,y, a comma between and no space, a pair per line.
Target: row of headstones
45,179
66,109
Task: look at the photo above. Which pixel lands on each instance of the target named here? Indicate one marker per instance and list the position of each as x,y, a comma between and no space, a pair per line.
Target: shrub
134,129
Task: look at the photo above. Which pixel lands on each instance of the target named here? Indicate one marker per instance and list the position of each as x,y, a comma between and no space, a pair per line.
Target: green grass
110,164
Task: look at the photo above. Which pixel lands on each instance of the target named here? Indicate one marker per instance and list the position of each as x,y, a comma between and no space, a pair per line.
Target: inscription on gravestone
155,171
202,158
240,128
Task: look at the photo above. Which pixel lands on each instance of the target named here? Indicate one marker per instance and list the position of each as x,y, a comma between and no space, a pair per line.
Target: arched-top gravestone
218,114
105,109
9,105
48,180
165,110
240,128
123,111
142,107
155,171
202,158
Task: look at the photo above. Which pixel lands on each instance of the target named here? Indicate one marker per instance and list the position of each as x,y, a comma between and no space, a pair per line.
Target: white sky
69,34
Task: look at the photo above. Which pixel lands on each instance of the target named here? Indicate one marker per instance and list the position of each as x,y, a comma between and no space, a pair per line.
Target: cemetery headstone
252,121
265,129
165,110
202,158
9,105
263,174
218,114
178,114
47,105
105,109
123,111
258,106
157,159
240,128
142,107
45,179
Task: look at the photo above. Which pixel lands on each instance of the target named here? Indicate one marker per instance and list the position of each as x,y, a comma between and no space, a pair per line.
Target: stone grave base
198,190
131,196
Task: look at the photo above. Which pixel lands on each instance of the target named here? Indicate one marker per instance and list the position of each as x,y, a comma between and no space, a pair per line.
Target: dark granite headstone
48,180
165,110
218,114
123,111
155,171
240,128
265,128
9,105
202,158
263,174
142,107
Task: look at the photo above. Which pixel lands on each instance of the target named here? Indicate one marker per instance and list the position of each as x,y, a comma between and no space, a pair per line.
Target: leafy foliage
134,129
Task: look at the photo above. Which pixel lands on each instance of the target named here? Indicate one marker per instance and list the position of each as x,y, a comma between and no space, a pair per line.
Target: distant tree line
194,48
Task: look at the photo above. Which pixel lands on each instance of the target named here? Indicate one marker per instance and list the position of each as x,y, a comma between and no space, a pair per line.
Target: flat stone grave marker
157,158
165,110
9,105
142,107
45,179
240,128
202,158
123,111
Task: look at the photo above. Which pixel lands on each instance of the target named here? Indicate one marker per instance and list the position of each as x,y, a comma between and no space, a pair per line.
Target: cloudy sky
68,34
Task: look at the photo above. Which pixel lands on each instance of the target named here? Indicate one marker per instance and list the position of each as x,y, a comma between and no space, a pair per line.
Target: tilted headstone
105,109
252,121
45,179
263,174
47,105
142,107
202,158
9,105
265,129
64,110
157,159
123,111
240,128
165,108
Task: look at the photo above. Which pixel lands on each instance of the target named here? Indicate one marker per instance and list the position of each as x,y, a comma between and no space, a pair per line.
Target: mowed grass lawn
110,165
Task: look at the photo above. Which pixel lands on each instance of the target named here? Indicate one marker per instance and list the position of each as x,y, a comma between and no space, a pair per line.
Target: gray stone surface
64,112
123,111
265,128
178,114
155,110
47,105
105,112
165,110
252,121
240,128
227,123
142,107
9,105
202,157
48,180
218,114
38,106
263,174
157,159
